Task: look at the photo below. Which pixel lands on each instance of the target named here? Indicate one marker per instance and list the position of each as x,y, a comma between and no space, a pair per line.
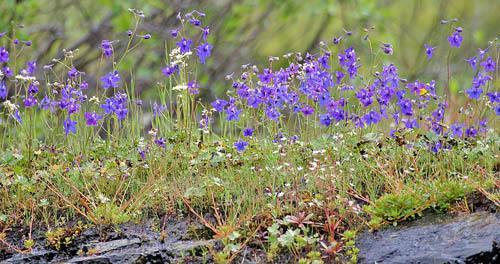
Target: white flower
25,77
94,99
152,132
180,87
174,52
103,199
10,106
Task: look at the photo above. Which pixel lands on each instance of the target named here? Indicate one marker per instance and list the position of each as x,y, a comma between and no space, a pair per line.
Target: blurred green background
248,31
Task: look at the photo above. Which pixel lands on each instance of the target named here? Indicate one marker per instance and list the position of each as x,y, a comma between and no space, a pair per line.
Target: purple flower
307,110
32,88
116,105
71,99
483,125
348,61
365,97
266,76
438,114
494,97
184,45
193,87
339,76
480,80
121,113
161,142
325,119
324,60
195,22
488,65
387,48
219,105
109,106
472,62
455,39
69,126
406,108
482,53
436,146
240,145
111,80
279,138
174,32
353,70
7,71
107,48
142,153
456,130
31,68
205,33
92,118
410,123
474,92
471,132
30,101
3,90
372,117
232,113
73,73
84,85
17,116
347,58
47,104
272,113
169,70
147,36
204,51
4,55
429,51
205,119
158,109
248,132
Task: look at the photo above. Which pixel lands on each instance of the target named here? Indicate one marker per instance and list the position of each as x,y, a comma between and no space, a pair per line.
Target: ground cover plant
299,155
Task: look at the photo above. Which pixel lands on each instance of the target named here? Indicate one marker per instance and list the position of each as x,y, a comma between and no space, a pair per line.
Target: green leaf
234,235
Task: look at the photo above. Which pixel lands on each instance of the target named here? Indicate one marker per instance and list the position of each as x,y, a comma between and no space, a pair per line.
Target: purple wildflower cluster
185,43
482,79
328,87
111,80
107,48
116,105
314,85
456,38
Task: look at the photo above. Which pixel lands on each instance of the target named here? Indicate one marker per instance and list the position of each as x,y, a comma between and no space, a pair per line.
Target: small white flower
10,106
25,77
180,87
94,99
103,199
152,132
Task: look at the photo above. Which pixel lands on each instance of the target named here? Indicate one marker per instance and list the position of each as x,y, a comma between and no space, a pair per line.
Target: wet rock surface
473,238
131,244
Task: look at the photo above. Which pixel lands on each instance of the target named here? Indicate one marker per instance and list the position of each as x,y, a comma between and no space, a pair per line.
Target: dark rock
151,252
129,244
473,238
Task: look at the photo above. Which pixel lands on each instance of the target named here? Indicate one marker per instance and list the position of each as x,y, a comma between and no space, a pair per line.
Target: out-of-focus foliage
248,31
